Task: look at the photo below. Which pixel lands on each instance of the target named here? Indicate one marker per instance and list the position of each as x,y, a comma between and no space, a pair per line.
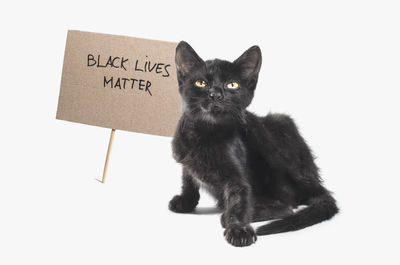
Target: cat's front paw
240,236
181,204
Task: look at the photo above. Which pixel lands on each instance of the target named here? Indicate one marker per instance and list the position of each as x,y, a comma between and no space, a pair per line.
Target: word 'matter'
123,83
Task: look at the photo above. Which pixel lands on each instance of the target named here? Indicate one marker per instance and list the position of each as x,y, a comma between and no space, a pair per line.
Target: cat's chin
212,114
212,109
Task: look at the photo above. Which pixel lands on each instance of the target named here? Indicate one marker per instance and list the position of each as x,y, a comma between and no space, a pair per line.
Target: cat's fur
258,168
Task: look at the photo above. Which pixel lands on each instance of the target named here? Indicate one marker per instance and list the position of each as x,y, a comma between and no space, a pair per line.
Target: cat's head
216,91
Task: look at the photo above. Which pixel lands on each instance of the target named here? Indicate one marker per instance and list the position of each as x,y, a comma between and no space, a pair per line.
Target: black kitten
258,168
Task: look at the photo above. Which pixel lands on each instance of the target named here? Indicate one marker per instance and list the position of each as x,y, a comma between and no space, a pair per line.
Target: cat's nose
214,95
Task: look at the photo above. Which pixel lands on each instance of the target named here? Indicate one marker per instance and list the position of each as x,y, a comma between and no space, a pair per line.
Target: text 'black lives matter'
128,82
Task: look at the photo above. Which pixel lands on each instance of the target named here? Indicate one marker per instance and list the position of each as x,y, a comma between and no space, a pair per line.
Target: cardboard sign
120,83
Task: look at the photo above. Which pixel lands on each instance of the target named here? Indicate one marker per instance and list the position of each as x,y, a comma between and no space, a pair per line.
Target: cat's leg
265,209
189,197
237,215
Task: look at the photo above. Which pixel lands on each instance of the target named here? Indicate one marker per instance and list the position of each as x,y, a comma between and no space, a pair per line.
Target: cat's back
273,125
278,122
275,136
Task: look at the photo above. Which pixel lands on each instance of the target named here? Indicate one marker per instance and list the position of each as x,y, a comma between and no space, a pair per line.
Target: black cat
258,168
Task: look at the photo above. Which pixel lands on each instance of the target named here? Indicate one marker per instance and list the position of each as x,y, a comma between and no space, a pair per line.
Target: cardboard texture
120,82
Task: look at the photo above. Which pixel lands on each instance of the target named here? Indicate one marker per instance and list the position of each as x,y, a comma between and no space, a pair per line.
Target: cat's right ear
186,59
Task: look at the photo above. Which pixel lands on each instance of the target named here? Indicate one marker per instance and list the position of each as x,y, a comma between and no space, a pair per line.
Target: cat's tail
320,209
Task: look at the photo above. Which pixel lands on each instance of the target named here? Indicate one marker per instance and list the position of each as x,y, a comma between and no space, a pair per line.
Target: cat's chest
213,161
205,164
207,154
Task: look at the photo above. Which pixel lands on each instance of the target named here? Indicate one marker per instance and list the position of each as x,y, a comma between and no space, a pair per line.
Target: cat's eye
232,85
200,83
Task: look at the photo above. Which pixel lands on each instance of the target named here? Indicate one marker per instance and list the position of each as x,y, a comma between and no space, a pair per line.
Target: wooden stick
108,155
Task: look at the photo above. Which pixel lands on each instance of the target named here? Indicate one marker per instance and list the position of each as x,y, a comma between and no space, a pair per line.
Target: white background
333,65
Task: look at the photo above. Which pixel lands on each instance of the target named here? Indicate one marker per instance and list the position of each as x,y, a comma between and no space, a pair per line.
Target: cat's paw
179,204
240,236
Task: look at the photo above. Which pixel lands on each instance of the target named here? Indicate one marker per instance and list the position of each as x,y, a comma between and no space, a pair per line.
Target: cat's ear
186,59
250,62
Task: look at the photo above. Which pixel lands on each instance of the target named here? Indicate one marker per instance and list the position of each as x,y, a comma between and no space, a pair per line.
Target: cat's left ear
250,62
186,59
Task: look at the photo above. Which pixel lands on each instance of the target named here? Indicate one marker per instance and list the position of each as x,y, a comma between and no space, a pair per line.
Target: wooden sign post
103,180
121,83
